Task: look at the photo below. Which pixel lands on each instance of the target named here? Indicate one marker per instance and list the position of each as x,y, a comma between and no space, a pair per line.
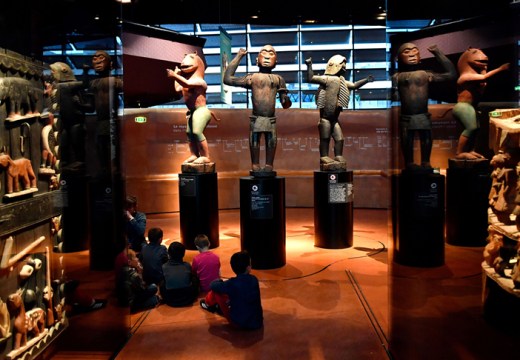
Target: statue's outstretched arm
362,82
450,73
229,74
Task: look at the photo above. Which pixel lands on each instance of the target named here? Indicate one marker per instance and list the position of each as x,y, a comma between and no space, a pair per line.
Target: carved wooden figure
189,81
20,97
473,76
18,170
5,321
30,322
49,146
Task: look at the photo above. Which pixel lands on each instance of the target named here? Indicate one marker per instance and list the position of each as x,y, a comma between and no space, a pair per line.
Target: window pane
275,39
368,55
322,57
369,36
325,37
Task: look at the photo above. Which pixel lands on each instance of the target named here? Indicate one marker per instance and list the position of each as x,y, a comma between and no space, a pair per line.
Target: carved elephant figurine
20,97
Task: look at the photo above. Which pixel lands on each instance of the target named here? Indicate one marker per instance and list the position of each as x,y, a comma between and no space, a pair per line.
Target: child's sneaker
211,309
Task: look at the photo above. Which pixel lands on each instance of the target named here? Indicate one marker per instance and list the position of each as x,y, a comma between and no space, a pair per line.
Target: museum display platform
198,203
418,217
333,209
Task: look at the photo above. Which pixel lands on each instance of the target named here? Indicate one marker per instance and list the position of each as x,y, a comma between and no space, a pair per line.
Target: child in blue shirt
239,297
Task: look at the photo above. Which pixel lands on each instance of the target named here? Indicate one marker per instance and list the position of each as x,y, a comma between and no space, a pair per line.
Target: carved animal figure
30,322
189,80
472,81
20,97
18,170
333,95
492,248
5,321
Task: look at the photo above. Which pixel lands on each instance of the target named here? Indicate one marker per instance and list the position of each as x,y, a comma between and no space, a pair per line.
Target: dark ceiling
28,25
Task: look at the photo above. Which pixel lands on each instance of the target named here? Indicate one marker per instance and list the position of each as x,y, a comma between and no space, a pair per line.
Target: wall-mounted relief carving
31,303
34,307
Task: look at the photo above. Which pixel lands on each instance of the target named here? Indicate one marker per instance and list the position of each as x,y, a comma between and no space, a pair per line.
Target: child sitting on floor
239,297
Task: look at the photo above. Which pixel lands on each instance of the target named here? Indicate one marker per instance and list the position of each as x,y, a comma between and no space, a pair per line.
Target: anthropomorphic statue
473,74
70,110
503,192
333,95
189,81
105,89
264,87
410,85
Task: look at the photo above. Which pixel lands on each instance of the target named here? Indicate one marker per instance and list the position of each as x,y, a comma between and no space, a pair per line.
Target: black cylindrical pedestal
418,218
467,189
75,216
333,209
106,209
262,220
198,202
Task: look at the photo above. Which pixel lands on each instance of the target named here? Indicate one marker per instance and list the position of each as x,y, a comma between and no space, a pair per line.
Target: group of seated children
179,283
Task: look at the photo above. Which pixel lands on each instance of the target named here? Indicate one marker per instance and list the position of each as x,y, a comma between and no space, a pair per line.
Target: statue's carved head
473,59
101,62
62,72
408,54
267,57
192,63
336,65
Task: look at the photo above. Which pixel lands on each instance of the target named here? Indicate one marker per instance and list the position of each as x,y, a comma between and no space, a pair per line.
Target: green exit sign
140,119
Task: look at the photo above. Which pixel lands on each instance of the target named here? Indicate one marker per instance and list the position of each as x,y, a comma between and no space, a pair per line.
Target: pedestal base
262,220
467,188
75,216
106,209
198,204
333,209
418,218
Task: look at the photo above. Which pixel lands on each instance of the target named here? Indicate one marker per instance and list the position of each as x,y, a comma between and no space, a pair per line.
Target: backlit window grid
364,48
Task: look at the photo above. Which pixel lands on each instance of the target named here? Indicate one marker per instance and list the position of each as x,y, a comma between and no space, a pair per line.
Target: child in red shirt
206,264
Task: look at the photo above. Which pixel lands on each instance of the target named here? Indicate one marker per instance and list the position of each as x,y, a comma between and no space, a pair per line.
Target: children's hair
240,261
131,201
131,255
201,241
176,251
155,235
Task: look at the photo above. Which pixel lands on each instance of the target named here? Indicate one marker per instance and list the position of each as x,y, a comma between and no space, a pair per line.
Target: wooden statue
264,86
333,95
473,74
189,81
410,86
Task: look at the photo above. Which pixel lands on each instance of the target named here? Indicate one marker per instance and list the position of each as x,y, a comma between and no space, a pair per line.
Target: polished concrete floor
351,303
